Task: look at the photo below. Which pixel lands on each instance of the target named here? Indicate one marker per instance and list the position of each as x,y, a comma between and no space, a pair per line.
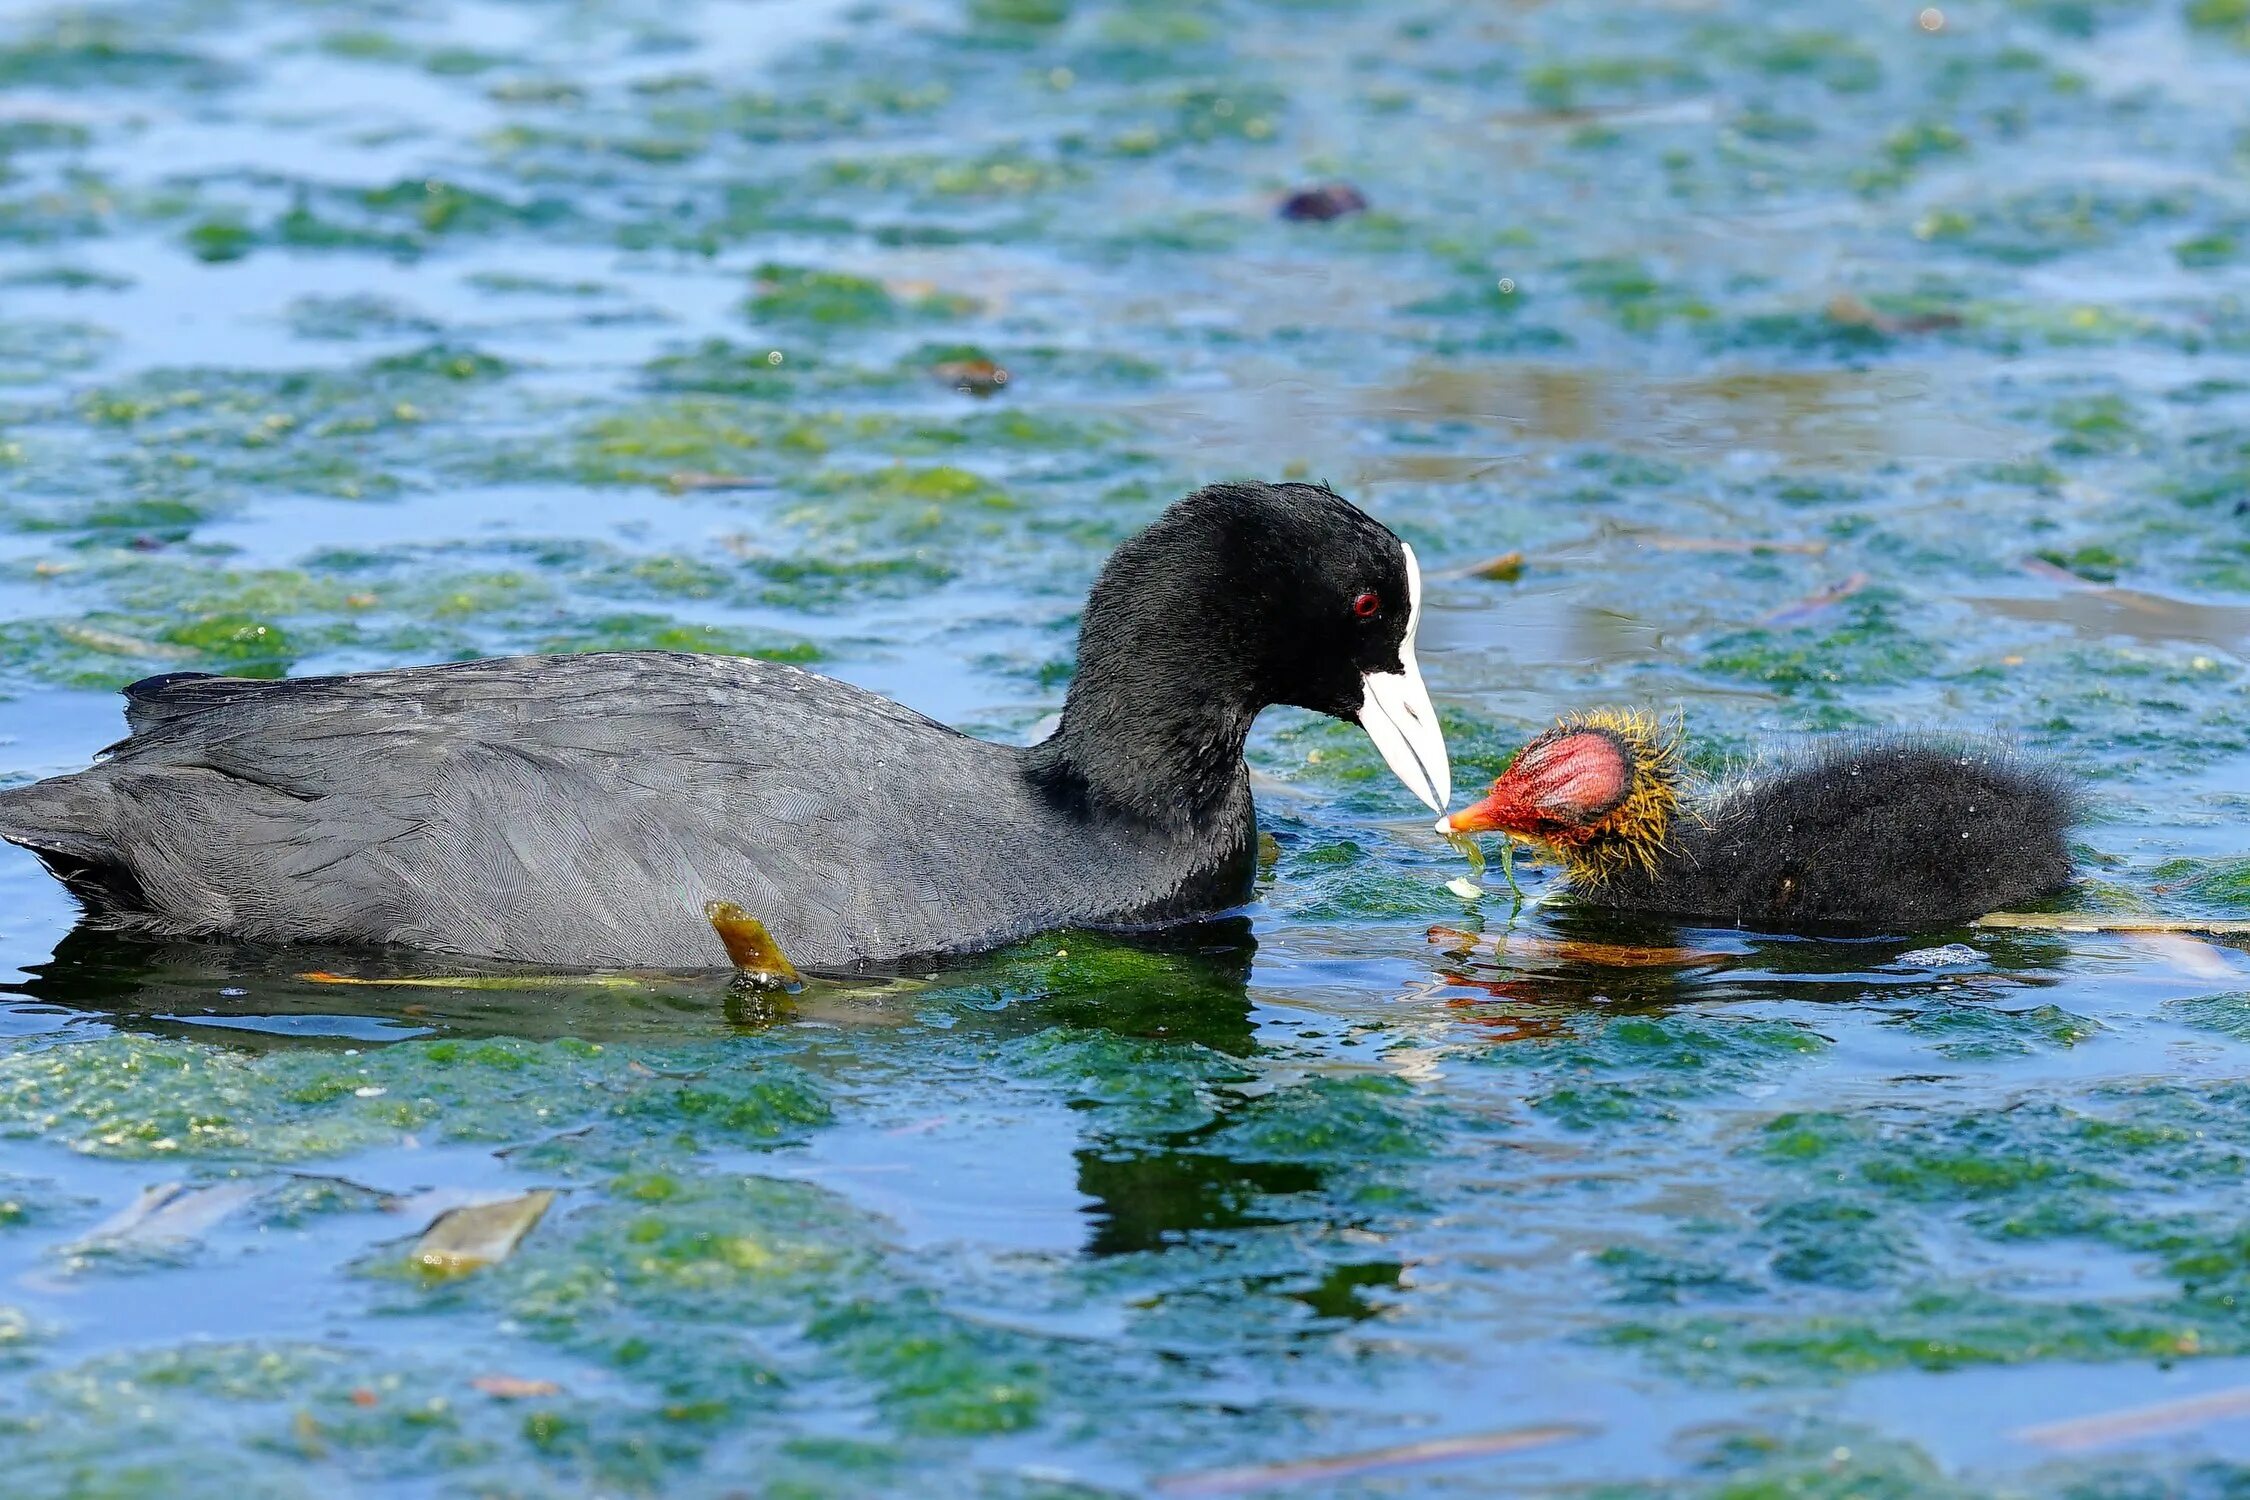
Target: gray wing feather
563,809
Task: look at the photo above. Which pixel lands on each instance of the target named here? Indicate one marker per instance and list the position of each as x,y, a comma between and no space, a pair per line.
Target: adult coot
580,810
1891,832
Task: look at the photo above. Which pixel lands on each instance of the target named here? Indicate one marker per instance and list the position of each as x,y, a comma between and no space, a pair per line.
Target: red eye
1367,606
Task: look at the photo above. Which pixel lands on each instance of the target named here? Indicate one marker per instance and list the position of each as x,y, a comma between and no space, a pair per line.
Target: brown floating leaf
1850,312
462,1239
751,949
971,377
2105,1429
2071,921
1812,604
1847,311
1506,568
1244,1479
514,1387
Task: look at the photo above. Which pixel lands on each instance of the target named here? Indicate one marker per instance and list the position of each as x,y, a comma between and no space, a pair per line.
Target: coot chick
581,810
1887,833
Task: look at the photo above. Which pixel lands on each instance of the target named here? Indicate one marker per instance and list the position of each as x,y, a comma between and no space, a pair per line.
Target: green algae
1633,294
139,1098
2033,1174
799,294
88,50
2218,886
813,582
1970,1032
1932,1331
722,367
1598,1072
1334,1121
900,504
1003,173
36,353
657,441
1870,647
356,316
2029,228
2223,16
786,1263
1136,1085
1837,1241
1582,82
648,632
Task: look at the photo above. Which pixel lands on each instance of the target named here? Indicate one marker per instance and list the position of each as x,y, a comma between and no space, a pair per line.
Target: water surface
1832,366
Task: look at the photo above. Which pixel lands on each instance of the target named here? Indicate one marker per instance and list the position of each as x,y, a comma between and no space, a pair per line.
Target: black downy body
1898,833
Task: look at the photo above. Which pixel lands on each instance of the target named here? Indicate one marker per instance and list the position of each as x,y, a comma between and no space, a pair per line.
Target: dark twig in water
1815,603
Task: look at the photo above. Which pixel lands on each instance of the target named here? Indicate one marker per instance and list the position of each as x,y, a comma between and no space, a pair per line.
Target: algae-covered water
1828,364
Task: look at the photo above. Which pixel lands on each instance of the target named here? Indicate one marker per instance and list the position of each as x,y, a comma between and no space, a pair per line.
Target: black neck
1170,760
1169,678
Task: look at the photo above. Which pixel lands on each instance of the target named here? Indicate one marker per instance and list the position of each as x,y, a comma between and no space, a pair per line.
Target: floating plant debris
466,1239
2071,921
170,1212
1319,204
1252,1478
515,1387
971,377
2131,1424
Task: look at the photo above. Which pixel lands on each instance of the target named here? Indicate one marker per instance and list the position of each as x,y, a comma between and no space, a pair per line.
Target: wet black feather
1904,833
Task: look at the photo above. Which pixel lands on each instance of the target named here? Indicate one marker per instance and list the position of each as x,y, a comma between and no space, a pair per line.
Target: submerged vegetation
1806,365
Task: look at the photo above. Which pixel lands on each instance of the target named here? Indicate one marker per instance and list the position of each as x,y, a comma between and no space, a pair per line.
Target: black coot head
1286,593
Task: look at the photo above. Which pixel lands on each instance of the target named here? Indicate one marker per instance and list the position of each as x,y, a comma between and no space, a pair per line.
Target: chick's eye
1367,606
